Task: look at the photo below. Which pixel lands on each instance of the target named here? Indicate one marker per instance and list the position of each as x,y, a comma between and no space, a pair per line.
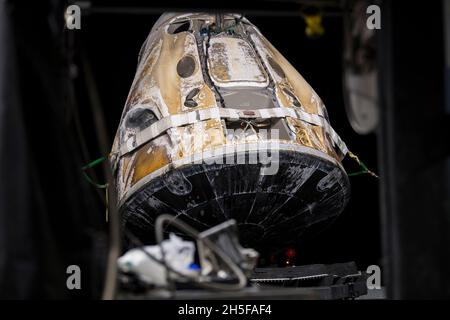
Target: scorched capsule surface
219,125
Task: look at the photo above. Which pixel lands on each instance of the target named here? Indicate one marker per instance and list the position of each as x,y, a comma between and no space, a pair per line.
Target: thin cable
110,285
242,279
364,170
195,280
107,204
86,176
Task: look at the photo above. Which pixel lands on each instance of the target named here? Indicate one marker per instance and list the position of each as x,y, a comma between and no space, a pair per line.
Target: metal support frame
414,152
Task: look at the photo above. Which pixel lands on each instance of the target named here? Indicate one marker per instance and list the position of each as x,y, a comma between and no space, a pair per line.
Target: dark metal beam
414,151
255,8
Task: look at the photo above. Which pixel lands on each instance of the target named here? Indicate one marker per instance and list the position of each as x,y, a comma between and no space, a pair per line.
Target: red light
290,253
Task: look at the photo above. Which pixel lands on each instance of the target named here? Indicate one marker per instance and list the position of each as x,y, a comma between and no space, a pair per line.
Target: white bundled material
179,255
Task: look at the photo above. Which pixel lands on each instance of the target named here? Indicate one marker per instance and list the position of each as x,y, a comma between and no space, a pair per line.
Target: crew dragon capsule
219,125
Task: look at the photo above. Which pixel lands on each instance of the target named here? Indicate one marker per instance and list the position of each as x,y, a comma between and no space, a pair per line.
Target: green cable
91,165
95,184
364,170
353,174
103,186
94,163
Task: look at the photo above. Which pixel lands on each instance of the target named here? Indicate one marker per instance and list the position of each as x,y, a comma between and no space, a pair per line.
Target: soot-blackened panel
269,209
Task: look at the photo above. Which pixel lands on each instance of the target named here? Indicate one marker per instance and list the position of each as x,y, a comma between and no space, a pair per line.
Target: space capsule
219,125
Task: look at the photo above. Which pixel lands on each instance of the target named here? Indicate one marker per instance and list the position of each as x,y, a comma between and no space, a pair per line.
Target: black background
112,43
51,217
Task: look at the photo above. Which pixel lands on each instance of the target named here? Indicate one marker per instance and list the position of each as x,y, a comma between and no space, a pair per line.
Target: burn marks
186,67
140,118
177,183
269,210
